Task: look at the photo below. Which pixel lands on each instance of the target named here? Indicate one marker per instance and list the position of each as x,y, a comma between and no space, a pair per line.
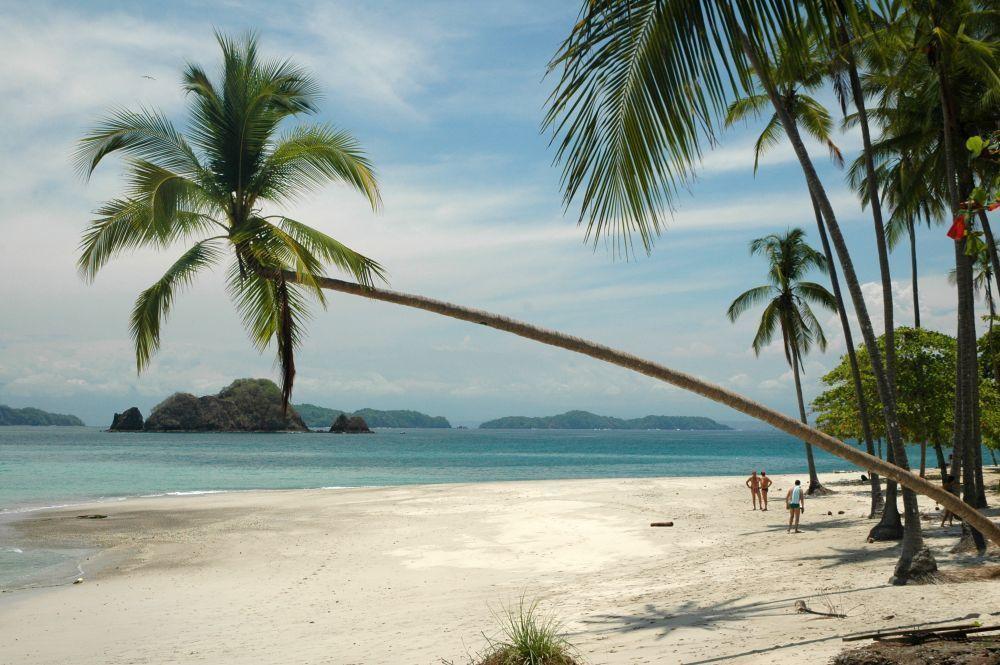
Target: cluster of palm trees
644,86
641,88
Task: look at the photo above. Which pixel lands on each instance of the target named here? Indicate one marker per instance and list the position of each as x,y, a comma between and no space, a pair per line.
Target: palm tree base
819,489
921,568
971,542
890,527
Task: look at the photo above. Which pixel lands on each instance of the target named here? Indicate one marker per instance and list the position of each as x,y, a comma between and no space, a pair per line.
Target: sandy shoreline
409,574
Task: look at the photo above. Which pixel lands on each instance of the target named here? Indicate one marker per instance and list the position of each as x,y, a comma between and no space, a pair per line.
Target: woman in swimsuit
795,502
765,482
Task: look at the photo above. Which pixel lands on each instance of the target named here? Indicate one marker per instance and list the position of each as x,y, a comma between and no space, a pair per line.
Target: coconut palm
796,78
221,186
787,300
642,86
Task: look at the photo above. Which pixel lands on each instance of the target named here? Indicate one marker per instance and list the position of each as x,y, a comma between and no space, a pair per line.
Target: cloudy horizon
447,101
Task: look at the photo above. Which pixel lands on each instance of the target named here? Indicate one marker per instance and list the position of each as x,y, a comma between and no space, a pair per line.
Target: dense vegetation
587,420
35,417
321,417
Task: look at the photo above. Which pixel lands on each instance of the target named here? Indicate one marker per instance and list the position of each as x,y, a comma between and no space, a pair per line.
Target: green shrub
527,638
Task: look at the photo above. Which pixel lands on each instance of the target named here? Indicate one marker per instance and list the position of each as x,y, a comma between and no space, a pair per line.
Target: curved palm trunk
913,542
682,380
814,484
852,357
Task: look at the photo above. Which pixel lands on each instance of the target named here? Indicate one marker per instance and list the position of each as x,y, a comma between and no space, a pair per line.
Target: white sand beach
409,574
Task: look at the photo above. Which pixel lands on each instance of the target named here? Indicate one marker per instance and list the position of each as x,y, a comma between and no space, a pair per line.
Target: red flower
957,230
993,206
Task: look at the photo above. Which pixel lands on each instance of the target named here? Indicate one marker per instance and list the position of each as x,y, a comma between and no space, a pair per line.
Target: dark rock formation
247,405
350,425
128,421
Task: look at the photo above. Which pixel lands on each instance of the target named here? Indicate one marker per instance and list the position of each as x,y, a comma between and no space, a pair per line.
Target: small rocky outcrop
246,405
350,425
129,420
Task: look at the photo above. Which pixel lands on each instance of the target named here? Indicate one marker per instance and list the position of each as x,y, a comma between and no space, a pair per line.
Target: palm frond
315,155
153,305
143,134
749,298
364,269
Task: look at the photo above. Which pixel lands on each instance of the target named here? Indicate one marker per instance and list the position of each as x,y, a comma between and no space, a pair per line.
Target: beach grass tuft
527,637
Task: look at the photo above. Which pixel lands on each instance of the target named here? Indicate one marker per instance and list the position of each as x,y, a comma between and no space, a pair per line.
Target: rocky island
36,417
587,420
350,425
246,405
321,417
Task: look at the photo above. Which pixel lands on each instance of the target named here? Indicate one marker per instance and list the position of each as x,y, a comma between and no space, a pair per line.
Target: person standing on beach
765,483
753,482
795,502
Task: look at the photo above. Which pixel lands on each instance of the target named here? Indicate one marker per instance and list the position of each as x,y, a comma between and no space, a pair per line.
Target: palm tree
157,221
642,85
787,299
795,82
217,187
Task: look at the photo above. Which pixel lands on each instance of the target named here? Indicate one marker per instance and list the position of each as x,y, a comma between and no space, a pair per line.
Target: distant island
245,405
319,416
587,420
36,417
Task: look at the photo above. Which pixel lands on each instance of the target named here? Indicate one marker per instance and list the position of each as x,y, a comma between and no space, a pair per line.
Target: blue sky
447,97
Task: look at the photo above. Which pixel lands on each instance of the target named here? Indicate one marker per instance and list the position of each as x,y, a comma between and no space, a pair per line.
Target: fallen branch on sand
661,524
802,608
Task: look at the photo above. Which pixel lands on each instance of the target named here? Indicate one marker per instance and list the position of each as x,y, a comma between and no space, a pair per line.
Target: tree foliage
216,186
925,384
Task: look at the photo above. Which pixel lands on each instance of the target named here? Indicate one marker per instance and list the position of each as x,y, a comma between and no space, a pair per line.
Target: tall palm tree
642,86
787,300
222,186
796,78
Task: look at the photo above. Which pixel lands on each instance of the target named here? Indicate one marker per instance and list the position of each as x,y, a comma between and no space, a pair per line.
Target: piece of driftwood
879,634
952,634
661,524
802,608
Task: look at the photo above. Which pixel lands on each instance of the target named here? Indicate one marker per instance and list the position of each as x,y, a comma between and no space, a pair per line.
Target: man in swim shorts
753,482
765,483
795,502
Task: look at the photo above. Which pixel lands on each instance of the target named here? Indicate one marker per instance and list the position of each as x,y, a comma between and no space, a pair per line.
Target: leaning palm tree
788,298
221,186
154,224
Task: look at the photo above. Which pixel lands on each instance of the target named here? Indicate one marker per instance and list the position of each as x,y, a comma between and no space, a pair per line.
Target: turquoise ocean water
51,466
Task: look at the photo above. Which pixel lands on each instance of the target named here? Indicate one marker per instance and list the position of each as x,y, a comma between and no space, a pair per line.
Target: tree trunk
890,526
967,380
814,484
991,243
942,464
682,380
913,543
912,536
852,357
923,459
913,273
